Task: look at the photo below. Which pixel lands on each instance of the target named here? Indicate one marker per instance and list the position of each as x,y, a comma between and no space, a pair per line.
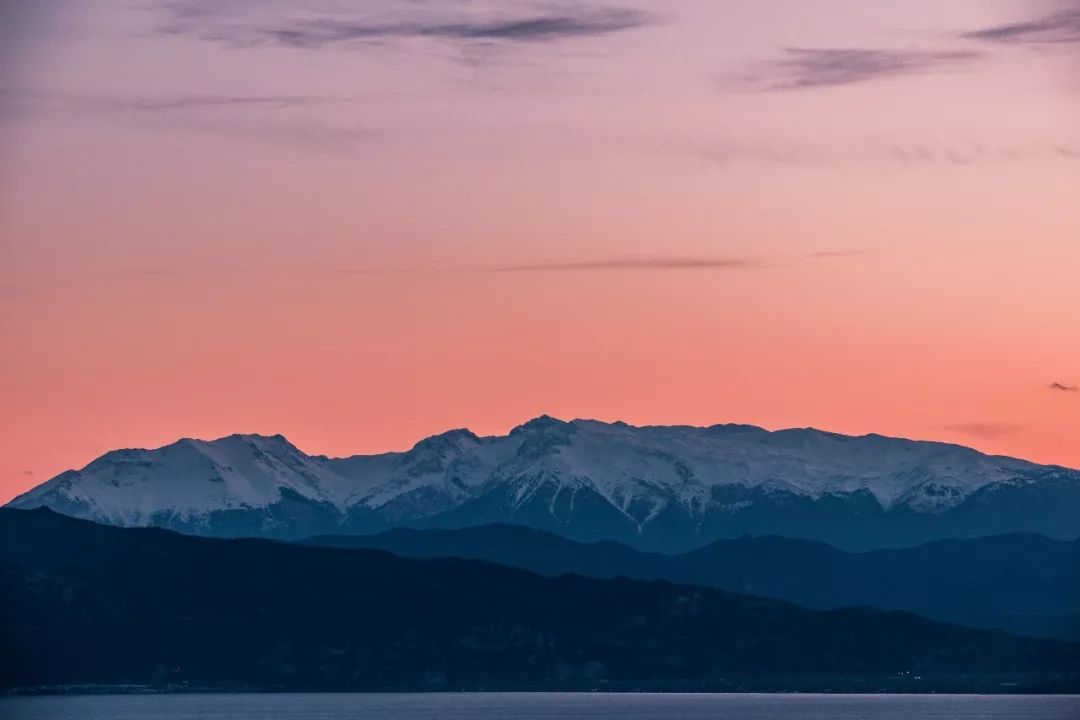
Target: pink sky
361,223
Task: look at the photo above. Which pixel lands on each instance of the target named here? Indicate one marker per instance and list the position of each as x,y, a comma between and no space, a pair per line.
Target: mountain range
656,488
1025,584
93,605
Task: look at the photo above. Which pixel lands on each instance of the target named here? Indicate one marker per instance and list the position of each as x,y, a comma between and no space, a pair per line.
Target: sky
362,222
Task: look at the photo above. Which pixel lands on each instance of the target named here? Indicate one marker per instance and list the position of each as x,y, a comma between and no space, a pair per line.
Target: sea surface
539,706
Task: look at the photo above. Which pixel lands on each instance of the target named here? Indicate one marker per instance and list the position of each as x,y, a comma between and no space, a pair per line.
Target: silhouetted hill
86,603
1026,584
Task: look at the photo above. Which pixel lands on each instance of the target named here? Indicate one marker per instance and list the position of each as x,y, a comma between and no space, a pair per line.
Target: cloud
640,263
803,68
322,24
635,263
23,25
664,262
278,119
1061,28
985,430
1061,387
531,29
880,152
621,263
17,99
187,102
972,154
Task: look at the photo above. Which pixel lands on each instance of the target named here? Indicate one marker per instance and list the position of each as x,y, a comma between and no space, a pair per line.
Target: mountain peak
234,440
275,440
454,438
543,422
686,484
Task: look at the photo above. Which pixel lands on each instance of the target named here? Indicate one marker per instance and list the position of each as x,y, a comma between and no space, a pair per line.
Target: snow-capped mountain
662,487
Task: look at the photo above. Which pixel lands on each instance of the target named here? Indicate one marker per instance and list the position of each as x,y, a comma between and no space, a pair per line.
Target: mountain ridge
1023,583
654,487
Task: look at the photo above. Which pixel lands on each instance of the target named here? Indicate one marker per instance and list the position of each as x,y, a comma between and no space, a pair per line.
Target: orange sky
361,223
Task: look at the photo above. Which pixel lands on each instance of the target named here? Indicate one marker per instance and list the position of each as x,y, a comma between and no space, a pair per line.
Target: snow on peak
190,477
639,470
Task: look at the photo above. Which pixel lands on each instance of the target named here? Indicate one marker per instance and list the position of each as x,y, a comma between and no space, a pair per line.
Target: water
539,706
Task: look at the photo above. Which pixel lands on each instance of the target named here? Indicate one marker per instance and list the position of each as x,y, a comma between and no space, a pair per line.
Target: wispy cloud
1062,387
325,24
882,152
19,99
197,102
1059,28
265,118
801,68
530,29
635,263
165,276
666,262
974,154
985,430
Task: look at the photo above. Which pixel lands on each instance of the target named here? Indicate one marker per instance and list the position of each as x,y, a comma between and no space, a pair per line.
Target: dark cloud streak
253,25
534,29
664,263
878,153
1061,387
218,101
266,118
804,68
635,263
1061,28
16,99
